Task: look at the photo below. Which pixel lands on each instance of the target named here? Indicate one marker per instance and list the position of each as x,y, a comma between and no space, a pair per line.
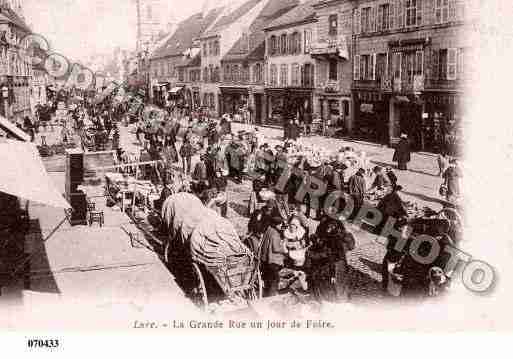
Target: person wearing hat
357,188
199,175
451,178
219,184
380,182
402,153
273,254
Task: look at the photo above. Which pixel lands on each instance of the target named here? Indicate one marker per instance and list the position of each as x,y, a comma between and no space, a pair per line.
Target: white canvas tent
12,130
23,175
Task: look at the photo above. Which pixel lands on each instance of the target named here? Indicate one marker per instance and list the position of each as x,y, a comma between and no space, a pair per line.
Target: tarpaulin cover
213,239
215,242
23,175
181,213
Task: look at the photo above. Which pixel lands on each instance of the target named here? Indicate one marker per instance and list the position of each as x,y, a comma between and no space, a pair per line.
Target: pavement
100,271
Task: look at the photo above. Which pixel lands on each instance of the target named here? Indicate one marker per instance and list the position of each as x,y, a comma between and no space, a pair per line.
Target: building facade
290,69
243,67
215,43
331,49
15,71
409,70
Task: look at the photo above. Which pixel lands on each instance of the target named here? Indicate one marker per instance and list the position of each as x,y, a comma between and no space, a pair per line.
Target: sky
78,28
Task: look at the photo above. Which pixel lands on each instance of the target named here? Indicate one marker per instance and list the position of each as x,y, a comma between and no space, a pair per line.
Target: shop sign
331,86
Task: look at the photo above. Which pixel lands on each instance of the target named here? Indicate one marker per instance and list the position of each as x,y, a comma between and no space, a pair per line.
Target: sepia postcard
254,167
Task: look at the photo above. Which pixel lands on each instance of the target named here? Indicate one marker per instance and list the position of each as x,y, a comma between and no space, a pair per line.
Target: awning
12,130
162,84
175,90
23,175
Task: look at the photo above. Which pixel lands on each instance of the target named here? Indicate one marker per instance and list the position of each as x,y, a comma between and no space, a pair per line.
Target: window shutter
419,62
452,10
420,5
399,12
373,66
357,21
451,63
386,65
379,20
391,16
356,68
434,64
460,63
400,57
372,20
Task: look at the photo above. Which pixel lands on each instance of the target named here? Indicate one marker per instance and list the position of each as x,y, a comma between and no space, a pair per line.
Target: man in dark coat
357,189
402,153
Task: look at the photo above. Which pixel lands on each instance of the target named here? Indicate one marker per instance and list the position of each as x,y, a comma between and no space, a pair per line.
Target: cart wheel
199,292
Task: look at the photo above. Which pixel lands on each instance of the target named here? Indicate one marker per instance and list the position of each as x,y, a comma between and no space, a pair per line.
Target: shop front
406,118
371,117
334,109
233,99
176,96
442,123
288,103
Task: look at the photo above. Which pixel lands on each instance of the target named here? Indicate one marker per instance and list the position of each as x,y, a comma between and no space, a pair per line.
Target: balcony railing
330,46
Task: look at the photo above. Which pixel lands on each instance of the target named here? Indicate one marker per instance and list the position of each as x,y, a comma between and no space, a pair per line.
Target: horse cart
218,260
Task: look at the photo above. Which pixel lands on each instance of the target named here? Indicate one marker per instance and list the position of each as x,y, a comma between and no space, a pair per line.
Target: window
295,47
217,76
211,73
381,66
332,70
284,74
169,69
274,75
413,12
273,48
442,11
367,67
295,75
366,17
283,44
148,12
384,17
205,74
452,58
181,75
308,40
307,75
396,65
257,73
205,54
216,48
226,73
356,68
236,73
333,24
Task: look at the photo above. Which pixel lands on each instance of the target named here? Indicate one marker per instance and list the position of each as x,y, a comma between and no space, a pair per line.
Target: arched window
205,74
216,74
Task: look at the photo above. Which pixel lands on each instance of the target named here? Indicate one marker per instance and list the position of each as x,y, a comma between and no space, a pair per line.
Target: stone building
243,66
217,41
410,70
331,50
290,69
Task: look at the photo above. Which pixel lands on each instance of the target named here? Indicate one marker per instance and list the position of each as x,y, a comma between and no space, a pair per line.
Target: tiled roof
301,13
231,17
186,31
273,10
